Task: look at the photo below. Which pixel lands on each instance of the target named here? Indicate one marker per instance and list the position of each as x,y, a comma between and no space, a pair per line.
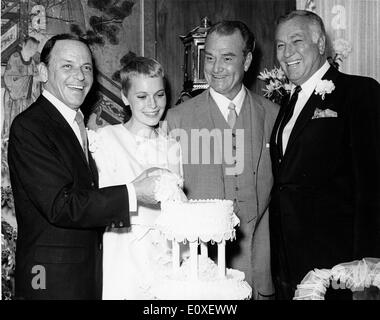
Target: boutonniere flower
94,140
324,87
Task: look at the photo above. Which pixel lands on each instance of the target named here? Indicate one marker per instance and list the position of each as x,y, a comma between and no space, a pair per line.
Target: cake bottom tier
171,285
230,288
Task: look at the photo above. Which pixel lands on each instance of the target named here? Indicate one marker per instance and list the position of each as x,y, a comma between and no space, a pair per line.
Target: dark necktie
231,118
83,133
287,116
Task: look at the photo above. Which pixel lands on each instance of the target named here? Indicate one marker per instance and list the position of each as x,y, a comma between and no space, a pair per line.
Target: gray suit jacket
203,180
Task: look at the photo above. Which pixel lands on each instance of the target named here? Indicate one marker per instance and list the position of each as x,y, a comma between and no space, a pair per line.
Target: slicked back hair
49,45
314,19
228,27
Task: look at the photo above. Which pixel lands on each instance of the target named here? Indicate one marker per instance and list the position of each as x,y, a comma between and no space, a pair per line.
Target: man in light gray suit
237,164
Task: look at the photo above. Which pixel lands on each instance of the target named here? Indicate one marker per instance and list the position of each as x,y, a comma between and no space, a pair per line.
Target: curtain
351,24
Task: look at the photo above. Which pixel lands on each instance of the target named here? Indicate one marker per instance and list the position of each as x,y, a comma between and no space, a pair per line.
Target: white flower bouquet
277,84
342,49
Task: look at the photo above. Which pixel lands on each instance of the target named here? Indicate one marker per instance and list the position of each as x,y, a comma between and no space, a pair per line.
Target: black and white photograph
208,151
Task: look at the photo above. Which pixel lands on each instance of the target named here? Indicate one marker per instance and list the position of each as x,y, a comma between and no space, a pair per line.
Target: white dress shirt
222,102
307,90
69,115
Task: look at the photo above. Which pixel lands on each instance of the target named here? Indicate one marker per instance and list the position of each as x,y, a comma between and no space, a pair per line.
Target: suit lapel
257,132
273,138
56,116
308,111
204,119
204,113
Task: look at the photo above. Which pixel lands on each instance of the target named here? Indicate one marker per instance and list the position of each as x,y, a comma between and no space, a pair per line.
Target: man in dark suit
60,211
240,122
325,150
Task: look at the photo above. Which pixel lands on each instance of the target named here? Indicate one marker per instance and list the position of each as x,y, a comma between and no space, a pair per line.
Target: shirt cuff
132,197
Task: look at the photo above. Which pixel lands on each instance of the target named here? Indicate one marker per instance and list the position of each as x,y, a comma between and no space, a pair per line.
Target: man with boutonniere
325,151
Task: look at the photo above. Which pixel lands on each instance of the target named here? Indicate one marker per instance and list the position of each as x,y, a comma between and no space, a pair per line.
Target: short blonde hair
139,66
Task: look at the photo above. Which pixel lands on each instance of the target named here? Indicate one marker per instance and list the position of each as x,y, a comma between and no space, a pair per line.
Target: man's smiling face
225,63
69,72
300,49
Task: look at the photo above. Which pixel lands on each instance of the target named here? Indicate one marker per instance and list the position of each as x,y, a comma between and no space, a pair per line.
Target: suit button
233,147
92,184
236,188
279,160
121,224
281,188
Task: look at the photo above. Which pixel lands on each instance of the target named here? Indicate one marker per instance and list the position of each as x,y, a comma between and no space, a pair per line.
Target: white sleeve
175,157
132,197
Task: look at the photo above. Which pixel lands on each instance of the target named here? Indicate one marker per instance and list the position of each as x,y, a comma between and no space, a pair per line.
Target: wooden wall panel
178,17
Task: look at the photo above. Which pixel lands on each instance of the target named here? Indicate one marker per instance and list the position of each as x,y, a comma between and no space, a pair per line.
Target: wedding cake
195,223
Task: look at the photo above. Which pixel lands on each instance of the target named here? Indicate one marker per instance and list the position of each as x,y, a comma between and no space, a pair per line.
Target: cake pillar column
204,249
222,258
176,259
194,260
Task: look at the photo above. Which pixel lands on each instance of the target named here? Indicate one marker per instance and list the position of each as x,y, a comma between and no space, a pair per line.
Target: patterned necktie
231,118
287,116
83,133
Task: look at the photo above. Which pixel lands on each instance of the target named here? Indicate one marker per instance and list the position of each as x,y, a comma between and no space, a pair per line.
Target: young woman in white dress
132,256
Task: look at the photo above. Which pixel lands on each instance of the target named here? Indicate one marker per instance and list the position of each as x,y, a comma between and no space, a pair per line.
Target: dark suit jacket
325,206
59,209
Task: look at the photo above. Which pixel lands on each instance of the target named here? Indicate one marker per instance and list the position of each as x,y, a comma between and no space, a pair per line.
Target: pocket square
326,113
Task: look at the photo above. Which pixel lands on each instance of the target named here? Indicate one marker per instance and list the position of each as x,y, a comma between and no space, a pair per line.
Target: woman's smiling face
147,99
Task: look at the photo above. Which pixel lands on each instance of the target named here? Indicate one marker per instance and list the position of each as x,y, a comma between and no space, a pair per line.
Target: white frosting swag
356,275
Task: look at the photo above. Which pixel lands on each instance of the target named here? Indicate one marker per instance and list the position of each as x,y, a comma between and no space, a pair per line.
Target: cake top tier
205,220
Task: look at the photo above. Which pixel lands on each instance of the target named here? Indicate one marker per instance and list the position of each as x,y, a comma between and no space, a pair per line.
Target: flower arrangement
342,49
8,253
8,233
277,84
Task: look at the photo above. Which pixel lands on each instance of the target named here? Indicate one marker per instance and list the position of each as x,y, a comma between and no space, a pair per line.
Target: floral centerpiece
277,84
8,253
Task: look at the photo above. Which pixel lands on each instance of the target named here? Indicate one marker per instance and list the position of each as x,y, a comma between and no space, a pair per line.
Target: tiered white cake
198,277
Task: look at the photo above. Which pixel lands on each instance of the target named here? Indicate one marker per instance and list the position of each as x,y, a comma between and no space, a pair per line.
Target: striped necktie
231,118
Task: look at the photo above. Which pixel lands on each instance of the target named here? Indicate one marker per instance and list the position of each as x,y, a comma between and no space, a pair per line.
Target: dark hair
311,16
139,65
48,47
227,27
